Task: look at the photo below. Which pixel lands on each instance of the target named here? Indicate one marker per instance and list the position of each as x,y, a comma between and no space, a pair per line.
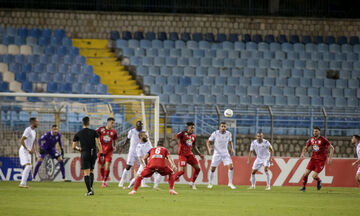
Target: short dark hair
32,119
190,124
86,121
224,123
357,137
317,128
260,132
53,126
110,119
139,122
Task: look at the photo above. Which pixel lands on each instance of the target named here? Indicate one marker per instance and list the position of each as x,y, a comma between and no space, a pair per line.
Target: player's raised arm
250,152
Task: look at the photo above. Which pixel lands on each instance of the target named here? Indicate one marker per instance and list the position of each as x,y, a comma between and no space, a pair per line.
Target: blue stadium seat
233,37
216,90
177,71
197,36
257,38
330,39
209,80
138,35
145,44
51,68
168,89
304,101
158,44
354,40
185,36
114,35
27,86
340,102
265,91
150,36
204,45
205,89
269,81
293,101
52,87
172,80
280,101
318,39
325,92
187,99
175,52
289,91
269,39
233,99
121,43
184,81
59,33
239,46
162,36
126,35
294,39
196,81
132,43
253,90
316,101
337,92
220,37
313,92
209,37
246,38
173,36
342,40
149,52
341,83
299,91
323,47
189,71
305,82
210,99
22,32
352,102
33,77
282,39
241,90
201,71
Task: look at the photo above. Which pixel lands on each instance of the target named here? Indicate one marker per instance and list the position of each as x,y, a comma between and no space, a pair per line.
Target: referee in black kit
89,140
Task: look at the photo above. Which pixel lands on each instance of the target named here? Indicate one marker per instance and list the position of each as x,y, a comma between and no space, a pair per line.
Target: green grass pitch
62,198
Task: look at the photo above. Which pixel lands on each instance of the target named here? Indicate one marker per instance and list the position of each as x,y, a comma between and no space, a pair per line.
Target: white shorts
217,158
258,163
132,158
25,156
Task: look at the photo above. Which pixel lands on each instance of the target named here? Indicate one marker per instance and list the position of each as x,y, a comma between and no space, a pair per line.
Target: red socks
178,174
106,175
137,182
305,179
195,175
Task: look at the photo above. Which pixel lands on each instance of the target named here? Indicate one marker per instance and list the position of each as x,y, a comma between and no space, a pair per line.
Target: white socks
211,177
157,179
267,178
123,176
230,176
253,180
25,174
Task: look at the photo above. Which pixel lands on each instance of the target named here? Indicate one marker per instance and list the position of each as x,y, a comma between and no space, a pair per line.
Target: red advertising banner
284,171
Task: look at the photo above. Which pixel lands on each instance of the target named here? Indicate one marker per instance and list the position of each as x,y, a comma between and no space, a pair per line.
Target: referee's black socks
91,179
87,182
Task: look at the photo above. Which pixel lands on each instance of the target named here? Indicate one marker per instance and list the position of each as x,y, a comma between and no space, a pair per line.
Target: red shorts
316,165
190,159
107,158
150,169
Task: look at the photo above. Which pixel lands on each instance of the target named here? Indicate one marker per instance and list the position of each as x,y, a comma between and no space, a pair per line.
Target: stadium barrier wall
285,171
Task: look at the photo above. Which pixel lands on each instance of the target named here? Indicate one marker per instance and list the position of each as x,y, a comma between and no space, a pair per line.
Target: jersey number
157,151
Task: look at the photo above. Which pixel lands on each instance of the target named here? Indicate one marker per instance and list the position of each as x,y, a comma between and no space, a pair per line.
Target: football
228,113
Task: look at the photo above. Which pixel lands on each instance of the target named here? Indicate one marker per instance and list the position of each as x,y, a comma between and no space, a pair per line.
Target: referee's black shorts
88,159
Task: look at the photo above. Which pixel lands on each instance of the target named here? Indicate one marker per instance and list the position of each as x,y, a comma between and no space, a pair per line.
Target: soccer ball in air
228,113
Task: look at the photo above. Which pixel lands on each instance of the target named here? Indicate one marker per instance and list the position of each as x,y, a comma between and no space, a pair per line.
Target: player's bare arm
141,161
330,154
172,163
303,152
271,150
231,147
249,157
22,141
100,148
198,152
75,147
208,146
146,158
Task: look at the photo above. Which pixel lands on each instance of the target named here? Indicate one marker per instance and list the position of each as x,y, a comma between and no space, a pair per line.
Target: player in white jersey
222,139
142,148
356,141
133,138
264,152
27,149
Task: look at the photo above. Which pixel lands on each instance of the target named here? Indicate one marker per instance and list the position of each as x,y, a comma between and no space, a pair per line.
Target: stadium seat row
210,37
240,46
34,32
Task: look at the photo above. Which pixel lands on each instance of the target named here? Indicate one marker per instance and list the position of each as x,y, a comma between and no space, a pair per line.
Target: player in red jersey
157,163
319,156
187,141
108,136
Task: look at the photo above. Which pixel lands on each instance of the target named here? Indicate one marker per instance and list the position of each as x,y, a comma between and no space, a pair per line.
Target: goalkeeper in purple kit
47,145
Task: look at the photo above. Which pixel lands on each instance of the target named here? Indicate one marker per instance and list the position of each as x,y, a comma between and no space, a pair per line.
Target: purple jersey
48,141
